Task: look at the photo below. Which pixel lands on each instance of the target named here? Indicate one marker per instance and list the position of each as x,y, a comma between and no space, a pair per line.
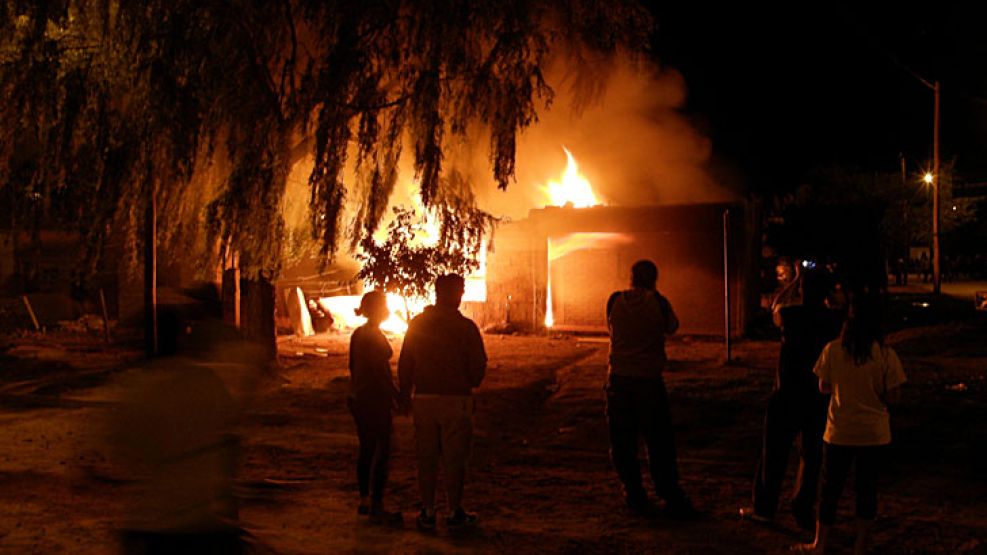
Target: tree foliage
106,102
844,208
402,263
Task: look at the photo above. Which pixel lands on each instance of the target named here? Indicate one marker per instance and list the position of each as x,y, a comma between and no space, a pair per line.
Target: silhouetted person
796,409
441,361
174,430
371,401
637,402
864,376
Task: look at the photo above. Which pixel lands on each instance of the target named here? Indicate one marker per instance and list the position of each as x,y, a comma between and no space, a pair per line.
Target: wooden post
231,296
257,311
150,273
106,316
30,311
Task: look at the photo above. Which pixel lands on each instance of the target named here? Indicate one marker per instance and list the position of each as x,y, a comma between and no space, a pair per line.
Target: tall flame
573,189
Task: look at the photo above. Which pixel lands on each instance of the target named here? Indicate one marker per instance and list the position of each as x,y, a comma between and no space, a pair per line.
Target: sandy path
540,475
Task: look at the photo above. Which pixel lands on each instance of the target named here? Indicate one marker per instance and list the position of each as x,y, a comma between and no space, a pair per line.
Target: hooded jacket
442,354
638,320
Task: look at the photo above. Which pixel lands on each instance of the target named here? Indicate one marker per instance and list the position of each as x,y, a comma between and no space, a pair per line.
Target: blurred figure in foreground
174,432
372,399
637,402
442,361
864,377
796,408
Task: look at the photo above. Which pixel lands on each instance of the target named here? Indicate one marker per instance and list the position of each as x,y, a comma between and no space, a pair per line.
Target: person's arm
406,368
671,320
892,396
894,377
610,301
823,370
476,356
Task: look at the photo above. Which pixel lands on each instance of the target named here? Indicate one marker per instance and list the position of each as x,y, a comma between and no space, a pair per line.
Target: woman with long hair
371,401
864,377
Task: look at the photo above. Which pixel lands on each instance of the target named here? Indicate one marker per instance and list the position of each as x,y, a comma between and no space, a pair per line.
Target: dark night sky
783,90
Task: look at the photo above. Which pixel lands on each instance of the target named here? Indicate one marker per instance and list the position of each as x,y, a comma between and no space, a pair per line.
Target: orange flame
343,311
343,307
573,188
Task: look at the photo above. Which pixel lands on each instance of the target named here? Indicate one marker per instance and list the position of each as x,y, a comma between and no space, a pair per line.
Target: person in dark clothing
371,401
173,432
796,408
637,402
442,361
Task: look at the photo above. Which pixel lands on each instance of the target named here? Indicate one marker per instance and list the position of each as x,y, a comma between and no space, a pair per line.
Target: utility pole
936,275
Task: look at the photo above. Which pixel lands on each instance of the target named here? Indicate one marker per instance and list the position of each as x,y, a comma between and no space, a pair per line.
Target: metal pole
726,282
936,275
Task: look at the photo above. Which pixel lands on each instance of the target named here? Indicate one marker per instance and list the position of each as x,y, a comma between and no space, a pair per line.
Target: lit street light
927,178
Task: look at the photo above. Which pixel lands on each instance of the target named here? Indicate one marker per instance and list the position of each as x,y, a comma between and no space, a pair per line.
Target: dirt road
540,476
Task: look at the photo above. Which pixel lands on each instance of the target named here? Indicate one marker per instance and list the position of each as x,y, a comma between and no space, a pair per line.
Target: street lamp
927,178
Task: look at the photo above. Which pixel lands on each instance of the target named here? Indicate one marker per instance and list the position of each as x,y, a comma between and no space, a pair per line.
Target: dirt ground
540,475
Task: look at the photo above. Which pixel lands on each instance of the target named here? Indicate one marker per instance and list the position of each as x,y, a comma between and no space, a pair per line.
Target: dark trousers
636,408
373,427
836,468
791,417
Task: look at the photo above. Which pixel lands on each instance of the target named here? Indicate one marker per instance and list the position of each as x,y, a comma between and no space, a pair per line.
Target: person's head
373,307
815,286
449,289
863,326
644,274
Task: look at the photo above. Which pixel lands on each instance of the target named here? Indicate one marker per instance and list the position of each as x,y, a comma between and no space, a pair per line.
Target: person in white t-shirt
864,376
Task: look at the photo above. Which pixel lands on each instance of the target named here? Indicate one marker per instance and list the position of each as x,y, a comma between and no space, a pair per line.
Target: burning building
557,267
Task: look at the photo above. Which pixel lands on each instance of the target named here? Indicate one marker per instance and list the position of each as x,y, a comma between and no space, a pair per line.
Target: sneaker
387,518
425,522
459,518
748,513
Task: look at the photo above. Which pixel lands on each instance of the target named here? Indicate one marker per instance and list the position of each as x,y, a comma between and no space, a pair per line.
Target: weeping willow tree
108,104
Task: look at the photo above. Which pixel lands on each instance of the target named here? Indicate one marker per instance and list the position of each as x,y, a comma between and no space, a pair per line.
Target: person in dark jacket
796,408
371,401
442,361
637,402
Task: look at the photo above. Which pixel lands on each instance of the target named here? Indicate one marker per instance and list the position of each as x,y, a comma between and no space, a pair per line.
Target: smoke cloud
623,123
